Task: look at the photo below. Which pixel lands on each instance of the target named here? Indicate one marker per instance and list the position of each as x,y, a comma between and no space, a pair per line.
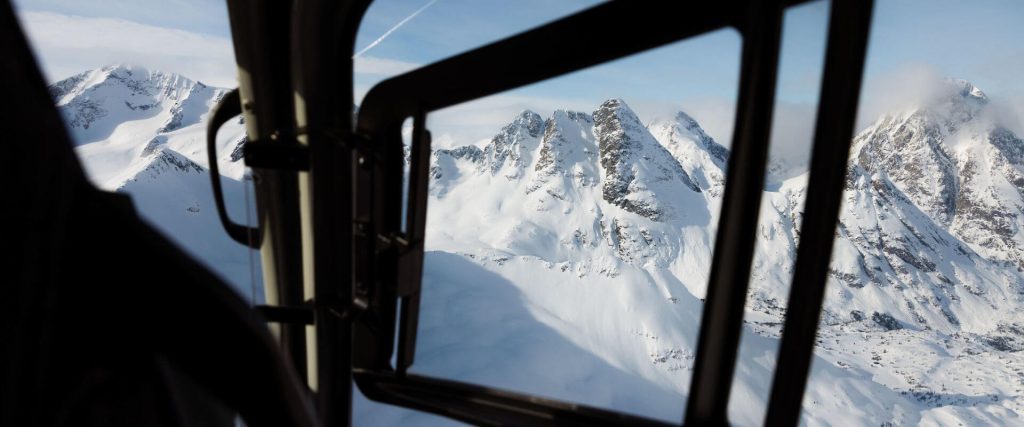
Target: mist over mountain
568,256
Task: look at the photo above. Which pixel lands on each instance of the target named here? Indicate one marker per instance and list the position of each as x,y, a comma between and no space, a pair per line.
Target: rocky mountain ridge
598,231
926,245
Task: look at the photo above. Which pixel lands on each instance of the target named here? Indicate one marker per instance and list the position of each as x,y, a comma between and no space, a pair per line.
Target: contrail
388,32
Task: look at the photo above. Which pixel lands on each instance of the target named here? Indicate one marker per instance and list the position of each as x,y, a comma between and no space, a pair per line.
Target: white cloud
896,90
914,84
66,45
1009,112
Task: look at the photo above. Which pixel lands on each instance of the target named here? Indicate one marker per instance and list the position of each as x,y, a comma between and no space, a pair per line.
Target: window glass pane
800,65
922,318
135,82
570,228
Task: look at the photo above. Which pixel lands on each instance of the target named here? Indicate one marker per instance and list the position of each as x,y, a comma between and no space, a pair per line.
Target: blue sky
978,40
708,64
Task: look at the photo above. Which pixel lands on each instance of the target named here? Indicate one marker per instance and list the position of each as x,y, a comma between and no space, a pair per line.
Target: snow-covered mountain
568,256
143,133
604,218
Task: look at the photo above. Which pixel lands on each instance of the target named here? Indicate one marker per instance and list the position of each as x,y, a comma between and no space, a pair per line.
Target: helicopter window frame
391,277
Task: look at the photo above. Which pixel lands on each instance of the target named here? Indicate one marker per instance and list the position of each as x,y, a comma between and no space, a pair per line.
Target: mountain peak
684,119
124,68
699,155
615,112
567,149
615,104
932,151
637,168
512,146
964,89
527,121
527,116
96,102
136,79
120,71
941,109
718,152
952,103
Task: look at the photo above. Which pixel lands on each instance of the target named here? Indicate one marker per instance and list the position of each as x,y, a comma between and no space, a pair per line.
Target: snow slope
568,256
143,133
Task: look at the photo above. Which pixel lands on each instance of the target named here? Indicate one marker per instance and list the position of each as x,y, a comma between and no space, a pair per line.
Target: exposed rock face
565,142
576,150
509,150
62,88
154,145
886,321
168,159
962,169
162,161
912,147
238,153
82,112
634,165
568,156
990,200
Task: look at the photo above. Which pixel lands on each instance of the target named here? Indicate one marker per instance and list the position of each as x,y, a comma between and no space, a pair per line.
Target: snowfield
568,256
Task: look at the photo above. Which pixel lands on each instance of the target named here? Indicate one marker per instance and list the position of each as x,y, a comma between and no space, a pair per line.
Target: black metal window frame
387,277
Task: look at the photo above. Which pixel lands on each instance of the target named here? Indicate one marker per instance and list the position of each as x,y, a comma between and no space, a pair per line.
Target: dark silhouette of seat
103,321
